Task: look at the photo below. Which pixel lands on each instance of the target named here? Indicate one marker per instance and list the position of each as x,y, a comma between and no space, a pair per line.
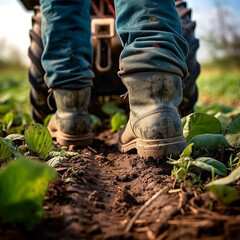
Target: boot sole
157,148
67,139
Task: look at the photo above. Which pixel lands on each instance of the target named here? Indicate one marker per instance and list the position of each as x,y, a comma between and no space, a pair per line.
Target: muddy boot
154,127
70,125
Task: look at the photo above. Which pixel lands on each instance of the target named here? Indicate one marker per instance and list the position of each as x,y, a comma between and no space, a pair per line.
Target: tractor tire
29,4
190,90
42,102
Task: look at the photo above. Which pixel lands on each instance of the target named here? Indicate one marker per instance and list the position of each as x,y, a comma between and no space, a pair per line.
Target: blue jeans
150,32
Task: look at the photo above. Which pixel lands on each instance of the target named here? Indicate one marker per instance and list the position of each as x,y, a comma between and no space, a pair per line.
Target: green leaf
209,141
111,108
14,137
71,154
16,129
7,121
232,177
187,151
238,157
209,164
55,161
38,139
12,148
4,109
225,193
23,184
17,119
200,123
233,132
95,121
27,119
57,153
118,121
224,120
47,119
184,121
5,151
62,153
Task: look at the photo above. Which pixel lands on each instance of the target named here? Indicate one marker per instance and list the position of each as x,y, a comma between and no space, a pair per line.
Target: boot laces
50,91
124,95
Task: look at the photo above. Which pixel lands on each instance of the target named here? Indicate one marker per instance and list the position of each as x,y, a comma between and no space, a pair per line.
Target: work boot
70,125
154,127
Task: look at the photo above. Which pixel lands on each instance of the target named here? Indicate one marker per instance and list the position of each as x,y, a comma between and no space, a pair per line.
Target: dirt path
111,187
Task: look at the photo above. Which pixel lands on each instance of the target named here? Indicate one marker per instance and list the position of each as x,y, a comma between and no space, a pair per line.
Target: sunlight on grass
14,89
219,85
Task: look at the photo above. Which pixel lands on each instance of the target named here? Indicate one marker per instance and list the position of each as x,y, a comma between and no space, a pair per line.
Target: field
101,194
218,84
14,89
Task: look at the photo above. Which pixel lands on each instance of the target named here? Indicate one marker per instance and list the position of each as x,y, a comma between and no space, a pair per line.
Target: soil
105,189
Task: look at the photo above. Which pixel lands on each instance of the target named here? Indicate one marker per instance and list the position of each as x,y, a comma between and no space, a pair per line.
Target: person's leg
66,34
67,59
152,65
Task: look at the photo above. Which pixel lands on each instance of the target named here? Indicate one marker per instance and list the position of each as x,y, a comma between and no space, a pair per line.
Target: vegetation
212,133
219,83
23,185
14,97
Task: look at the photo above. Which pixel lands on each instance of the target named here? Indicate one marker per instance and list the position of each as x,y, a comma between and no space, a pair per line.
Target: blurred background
219,53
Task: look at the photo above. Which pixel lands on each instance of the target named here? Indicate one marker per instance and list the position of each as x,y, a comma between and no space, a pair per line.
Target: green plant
8,149
14,90
5,151
47,119
200,123
226,92
95,121
36,136
181,166
111,108
223,192
233,132
186,164
7,121
233,162
118,121
117,115
38,139
14,123
56,156
209,141
23,184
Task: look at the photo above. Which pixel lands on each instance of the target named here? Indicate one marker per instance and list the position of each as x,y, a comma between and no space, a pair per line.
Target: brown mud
108,190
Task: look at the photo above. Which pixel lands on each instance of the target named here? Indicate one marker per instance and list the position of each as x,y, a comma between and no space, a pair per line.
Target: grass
219,85
14,89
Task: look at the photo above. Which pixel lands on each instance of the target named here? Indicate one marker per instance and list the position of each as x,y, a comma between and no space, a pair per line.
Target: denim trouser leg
66,34
150,32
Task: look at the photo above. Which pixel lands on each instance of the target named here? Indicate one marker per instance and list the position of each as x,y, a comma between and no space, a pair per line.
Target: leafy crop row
24,181
211,139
